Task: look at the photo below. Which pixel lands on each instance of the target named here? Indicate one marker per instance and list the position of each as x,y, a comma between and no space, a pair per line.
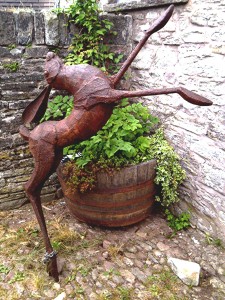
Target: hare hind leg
46,161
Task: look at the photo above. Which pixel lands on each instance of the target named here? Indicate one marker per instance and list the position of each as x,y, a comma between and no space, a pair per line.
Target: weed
4,269
12,296
24,236
105,295
56,51
19,276
125,293
57,245
11,46
111,272
4,156
65,239
38,281
79,290
163,286
119,293
115,250
29,45
178,223
84,271
213,241
12,67
71,277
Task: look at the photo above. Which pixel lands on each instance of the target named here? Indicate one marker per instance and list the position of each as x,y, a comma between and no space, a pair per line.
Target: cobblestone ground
98,263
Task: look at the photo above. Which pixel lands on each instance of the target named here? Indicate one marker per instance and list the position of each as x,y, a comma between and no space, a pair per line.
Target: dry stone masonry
189,51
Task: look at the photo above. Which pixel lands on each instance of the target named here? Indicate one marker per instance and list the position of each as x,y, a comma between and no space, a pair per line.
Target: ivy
169,172
87,45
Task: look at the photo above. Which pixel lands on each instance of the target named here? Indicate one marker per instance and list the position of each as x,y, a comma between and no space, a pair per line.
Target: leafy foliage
178,223
213,241
58,108
12,67
4,269
121,142
87,45
169,172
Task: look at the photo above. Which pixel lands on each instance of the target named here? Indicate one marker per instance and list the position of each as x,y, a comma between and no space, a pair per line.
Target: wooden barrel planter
121,199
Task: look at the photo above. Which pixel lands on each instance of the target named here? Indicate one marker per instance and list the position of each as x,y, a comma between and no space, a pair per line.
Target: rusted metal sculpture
94,98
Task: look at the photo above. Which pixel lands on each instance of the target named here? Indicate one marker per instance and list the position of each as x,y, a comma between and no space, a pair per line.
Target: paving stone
140,275
106,244
162,246
141,234
138,263
128,261
128,276
130,255
117,279
69,289
157,253
109,265
132,249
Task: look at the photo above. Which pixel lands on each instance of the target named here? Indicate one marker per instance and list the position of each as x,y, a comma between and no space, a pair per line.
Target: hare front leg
187,95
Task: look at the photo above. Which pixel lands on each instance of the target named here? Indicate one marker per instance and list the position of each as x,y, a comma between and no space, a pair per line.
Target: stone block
73,29
213,177
63,30
137,4
39,26
7,28
187,271
51,28
24,27
122,25
37,52
4,52
17,52
195,35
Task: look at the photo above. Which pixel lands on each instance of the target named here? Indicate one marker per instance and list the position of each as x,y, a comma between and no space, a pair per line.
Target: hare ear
36,109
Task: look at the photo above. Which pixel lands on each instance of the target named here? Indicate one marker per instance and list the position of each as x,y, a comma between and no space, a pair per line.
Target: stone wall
36,4
25,38
189,51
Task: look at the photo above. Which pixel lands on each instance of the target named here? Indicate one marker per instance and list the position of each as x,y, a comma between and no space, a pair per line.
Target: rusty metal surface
94,98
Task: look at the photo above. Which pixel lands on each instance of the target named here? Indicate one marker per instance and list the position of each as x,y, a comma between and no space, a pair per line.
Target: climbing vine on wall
88,44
